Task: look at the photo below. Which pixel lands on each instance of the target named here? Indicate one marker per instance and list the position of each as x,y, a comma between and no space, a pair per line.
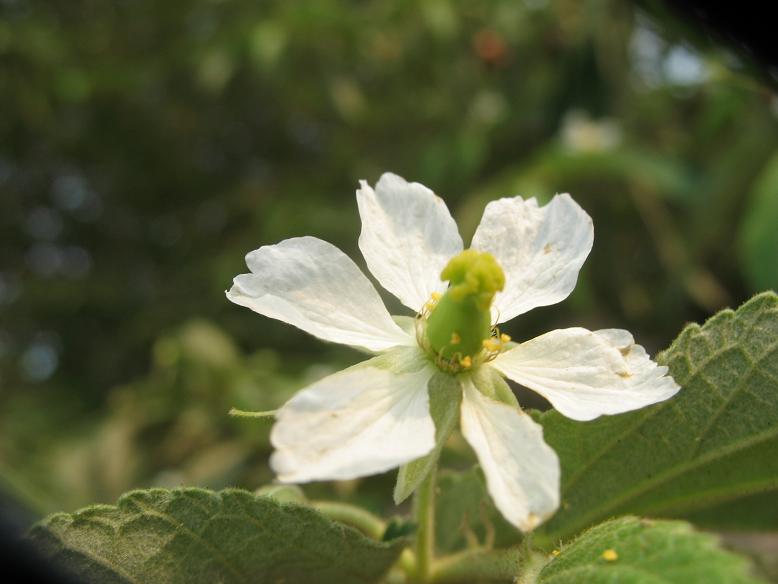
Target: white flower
375,416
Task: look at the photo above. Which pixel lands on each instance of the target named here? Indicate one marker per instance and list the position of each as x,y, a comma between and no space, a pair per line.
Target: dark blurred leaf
757,512
465,515
397,528
758,234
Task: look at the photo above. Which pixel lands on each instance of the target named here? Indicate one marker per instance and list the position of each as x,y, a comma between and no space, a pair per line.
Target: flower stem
511,565
369,524
424,510
478,565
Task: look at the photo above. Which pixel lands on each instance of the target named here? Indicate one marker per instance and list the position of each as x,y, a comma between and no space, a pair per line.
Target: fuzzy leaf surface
193,535
629,550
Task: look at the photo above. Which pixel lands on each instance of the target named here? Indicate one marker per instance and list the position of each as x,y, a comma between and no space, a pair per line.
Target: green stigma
461,320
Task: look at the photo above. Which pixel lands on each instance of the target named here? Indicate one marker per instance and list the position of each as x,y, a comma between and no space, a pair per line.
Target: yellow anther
555,553
430,305
610,555
505,338
455,338
466,362
491,345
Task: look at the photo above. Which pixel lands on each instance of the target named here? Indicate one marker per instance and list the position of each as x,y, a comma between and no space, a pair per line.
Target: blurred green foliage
145,147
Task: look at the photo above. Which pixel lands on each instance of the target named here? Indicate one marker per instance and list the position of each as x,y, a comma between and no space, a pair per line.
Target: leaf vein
661,478
183,529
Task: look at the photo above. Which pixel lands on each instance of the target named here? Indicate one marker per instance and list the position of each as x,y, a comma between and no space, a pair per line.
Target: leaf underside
193,535
714,442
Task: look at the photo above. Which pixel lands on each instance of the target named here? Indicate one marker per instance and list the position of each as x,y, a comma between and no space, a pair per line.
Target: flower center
458,327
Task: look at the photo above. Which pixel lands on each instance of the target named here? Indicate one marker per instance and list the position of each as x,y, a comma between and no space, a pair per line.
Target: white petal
407,238
522,471
540,249
312,285
587,374
364,420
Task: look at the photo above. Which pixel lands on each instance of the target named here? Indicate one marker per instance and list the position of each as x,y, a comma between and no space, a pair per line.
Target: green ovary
461,320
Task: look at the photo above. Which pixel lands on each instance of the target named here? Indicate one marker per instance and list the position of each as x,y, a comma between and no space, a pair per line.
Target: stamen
453,359
492,345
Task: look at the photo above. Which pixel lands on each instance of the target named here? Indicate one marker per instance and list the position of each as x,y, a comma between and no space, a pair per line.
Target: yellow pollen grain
491,345
455,338
610,555
466,362
435,296
505,338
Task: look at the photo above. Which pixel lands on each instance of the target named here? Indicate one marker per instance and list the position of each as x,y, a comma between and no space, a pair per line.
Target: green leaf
706,445
632,551
445,396
758,236
757,512
192,535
